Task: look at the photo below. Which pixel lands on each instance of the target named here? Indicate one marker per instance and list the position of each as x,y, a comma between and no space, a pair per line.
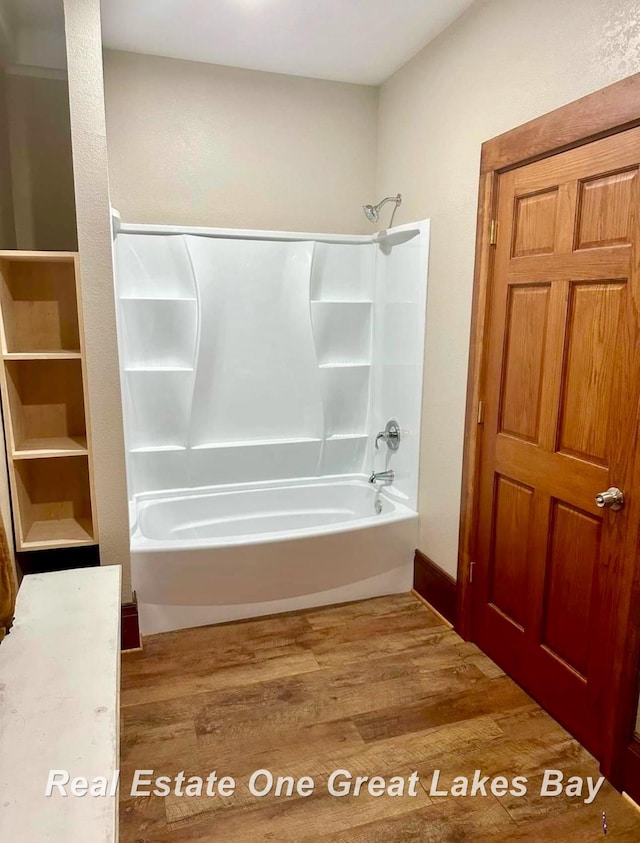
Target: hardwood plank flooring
379,687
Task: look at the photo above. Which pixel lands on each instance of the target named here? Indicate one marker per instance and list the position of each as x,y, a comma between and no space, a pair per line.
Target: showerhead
372,212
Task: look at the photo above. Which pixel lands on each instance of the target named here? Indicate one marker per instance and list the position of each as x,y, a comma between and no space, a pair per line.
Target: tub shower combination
263,374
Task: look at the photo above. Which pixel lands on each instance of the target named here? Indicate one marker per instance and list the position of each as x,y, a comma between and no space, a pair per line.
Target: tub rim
144,544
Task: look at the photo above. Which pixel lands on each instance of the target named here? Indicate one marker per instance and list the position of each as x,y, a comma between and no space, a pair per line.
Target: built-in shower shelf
345,365
159,298
152,449
159,369
341,436
159,334
342,334
341,301
254,443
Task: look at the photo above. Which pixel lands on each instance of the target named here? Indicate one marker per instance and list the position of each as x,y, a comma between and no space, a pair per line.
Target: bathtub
218,554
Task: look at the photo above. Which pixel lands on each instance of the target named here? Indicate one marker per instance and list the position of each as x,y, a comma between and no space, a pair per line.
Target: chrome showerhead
372,212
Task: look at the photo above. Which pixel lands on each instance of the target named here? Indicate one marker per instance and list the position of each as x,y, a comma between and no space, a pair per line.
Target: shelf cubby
342,314
39,303
342,272
159,421
346,397
342,331
54,503
158,333
42,378
46,406
154,268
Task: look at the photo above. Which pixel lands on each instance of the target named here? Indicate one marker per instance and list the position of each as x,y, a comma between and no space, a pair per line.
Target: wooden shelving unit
46,418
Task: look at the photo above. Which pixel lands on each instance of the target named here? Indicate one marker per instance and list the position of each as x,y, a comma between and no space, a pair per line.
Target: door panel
512,516
574,545
534,228
605,211
562,412
594,313
526,328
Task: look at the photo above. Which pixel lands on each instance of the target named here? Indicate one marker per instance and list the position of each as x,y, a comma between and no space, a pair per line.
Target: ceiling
362,41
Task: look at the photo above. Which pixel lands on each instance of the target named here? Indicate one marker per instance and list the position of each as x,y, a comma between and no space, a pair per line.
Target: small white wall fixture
253,356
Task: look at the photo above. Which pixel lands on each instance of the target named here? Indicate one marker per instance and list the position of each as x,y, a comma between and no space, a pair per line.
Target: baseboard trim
431,608
130,627
435,586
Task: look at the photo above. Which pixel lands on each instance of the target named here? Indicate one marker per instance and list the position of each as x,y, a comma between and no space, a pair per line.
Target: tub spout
382,476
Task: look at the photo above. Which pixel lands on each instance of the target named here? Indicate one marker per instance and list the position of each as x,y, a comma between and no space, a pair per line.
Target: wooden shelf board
42,355
36,257
53,446
65,532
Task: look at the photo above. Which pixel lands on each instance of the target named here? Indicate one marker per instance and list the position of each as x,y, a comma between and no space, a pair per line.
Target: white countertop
59,694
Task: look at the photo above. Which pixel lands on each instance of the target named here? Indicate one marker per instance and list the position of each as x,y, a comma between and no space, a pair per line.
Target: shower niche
342,290
255,356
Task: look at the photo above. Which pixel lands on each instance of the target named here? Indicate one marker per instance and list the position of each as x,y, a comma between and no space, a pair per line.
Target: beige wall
199,144
84,57
501,64
41,166
7,224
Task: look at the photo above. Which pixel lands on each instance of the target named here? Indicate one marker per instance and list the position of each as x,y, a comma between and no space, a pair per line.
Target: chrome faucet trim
390,435
382,476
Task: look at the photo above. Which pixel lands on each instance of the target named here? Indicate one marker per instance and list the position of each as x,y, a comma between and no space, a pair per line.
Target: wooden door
561,425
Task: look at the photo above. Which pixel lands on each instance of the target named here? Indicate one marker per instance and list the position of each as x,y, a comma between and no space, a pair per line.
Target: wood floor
380,687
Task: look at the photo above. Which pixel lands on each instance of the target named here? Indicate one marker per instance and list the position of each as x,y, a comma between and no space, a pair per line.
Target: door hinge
471,567
493,233
480,412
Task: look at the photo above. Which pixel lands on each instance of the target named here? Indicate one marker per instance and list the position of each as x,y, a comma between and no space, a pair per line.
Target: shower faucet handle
390,435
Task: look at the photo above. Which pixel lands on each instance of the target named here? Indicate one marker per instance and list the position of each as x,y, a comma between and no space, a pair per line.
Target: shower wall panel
400,294
264,357
257,373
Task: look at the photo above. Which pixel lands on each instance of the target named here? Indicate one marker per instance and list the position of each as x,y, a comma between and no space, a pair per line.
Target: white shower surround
256,369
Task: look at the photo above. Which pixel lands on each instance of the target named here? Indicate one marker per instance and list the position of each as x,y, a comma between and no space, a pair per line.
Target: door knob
613,498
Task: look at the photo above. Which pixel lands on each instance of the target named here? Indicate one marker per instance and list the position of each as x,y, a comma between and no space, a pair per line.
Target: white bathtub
219,554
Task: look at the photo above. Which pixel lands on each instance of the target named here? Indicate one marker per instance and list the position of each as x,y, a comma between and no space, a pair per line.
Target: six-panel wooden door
561,424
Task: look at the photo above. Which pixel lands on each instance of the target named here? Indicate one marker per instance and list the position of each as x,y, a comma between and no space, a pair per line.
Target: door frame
606,112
